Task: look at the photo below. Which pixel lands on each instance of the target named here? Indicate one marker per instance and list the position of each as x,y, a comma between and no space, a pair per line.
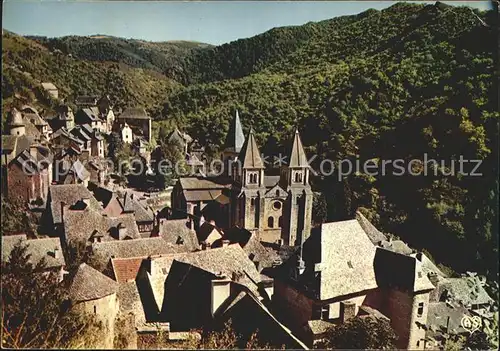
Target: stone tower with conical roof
249,187
15,123
234,142
297,209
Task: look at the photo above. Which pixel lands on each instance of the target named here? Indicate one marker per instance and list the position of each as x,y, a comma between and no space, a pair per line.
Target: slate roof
130,204
318,327
235,137
69,194
201,195
250,154
346,256
373,233
90,284
79,170
467,290
136,248
35,119
81,225
298,157
180,137
176,231
130,302
8,143
219,261
92,113
9,242
437,317
194,183
271,181
134,113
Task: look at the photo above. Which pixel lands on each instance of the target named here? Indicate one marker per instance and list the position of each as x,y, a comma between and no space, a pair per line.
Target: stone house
138,120
177,232
31,115
93,117
27,168
47,249
310,288
51,89
64,118
94,293
126,133
182,139
84,224
59,197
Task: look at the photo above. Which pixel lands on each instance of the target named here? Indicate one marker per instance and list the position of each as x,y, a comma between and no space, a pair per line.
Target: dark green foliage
395,84
361,334
319,209
35,312
16,218
169,160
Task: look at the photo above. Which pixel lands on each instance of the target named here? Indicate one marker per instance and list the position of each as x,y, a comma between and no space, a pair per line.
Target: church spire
250,154
235,137
298,157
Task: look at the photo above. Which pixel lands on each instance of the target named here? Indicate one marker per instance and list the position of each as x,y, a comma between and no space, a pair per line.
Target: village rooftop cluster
239,245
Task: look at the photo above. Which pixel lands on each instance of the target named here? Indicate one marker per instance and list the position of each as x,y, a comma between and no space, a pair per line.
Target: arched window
252,201
95,309
298,177
270,222
277,192
280,222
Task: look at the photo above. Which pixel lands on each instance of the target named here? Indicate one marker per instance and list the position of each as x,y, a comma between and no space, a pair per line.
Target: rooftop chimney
347,310
57,253
122,230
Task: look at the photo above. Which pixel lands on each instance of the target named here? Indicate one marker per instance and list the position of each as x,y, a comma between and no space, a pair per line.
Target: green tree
16,218
35,308
319,209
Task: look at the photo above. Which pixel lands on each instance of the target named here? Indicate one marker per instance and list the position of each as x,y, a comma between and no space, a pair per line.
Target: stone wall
105,310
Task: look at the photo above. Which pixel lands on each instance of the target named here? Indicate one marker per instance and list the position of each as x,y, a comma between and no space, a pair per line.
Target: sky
213,22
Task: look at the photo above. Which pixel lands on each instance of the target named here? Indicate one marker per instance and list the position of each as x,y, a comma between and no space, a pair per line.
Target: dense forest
401,83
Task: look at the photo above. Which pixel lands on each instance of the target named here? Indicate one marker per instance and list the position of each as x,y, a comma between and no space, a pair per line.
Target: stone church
277,208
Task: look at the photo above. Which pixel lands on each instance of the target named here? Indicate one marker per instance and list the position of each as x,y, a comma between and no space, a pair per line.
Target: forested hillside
164,57
393,84
410,80
27,63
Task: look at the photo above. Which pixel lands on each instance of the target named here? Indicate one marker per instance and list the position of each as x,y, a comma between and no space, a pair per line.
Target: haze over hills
390,84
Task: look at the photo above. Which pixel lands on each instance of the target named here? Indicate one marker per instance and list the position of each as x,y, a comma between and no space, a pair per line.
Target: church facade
276,208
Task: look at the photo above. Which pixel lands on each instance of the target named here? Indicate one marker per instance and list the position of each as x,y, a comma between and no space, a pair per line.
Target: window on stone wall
420,310
95,309
270,222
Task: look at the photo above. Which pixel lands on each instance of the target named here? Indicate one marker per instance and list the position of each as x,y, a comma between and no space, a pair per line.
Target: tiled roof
130,302
373,233
90,284
319,326
192,183
467,290
126,269
86,100
297,155
35,119
130,204
81,225
219,261
250,154
235,137
9,242
346,256
202,195
8,143
69,194
142,247
271,181
438,314
177,232
135,113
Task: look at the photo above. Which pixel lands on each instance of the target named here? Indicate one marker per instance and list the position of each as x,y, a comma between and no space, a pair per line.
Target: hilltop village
239,246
